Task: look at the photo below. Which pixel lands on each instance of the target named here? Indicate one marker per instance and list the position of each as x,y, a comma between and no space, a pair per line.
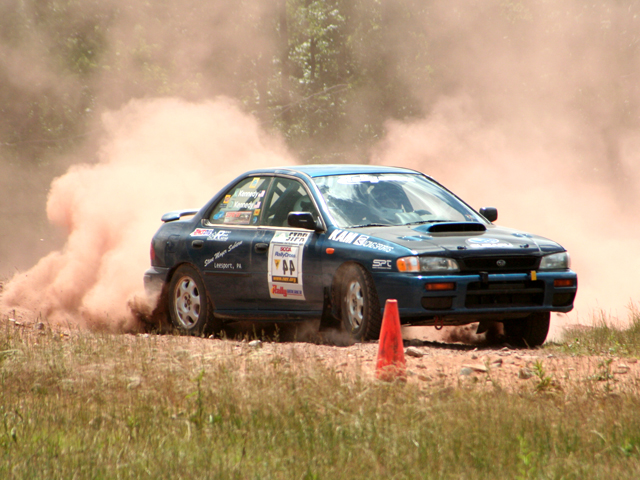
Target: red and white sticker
237,218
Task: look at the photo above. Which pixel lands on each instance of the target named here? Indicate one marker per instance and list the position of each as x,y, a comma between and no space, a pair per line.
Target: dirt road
431,363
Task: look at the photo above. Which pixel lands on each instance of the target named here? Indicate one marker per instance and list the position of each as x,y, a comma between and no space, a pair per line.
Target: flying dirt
156,156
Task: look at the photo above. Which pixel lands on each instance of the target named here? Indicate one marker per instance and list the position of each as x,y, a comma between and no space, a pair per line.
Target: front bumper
475,297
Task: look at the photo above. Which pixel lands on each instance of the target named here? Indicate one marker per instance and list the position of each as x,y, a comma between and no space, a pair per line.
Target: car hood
456,240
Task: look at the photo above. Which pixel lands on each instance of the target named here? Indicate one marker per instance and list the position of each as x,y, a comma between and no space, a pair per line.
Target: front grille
492,264
505,294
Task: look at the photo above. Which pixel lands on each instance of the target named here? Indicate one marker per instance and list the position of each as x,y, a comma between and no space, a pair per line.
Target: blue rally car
336,241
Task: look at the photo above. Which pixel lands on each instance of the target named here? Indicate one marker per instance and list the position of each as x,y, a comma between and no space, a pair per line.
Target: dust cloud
531,107
542,124
157,155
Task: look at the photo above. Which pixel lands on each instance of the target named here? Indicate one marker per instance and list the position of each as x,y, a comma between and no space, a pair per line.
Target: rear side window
242,204
286,196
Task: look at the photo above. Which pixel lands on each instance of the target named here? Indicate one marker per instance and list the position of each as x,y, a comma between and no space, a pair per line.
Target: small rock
134,382
477,368
255,343
413,352
525,374
39,326
466,371
414,342
474,356
622,369
633,360
496,363
550,355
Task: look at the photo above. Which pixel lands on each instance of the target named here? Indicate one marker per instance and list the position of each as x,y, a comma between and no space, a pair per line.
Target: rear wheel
530,331
190,309
359,305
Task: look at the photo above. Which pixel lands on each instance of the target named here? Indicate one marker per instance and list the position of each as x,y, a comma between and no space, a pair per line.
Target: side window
286,195
242,204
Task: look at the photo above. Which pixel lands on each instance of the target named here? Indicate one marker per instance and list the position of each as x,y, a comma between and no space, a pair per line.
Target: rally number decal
285,265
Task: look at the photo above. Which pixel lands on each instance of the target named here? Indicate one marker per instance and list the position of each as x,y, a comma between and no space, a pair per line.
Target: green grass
121,406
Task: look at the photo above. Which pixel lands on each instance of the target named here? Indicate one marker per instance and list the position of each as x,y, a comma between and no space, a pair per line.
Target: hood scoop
452,227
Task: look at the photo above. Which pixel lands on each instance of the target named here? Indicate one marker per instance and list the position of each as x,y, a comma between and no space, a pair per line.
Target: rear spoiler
176,215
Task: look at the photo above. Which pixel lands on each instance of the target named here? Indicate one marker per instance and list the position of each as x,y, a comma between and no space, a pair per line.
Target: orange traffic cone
391,364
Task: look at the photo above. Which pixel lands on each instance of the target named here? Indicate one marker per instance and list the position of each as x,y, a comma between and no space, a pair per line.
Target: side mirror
490,213
303,220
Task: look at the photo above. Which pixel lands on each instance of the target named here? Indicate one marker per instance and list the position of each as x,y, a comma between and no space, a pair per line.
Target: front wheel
359,305
529,332
190,309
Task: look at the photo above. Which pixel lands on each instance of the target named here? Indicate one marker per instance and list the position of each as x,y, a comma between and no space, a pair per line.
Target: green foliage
546,383
325,74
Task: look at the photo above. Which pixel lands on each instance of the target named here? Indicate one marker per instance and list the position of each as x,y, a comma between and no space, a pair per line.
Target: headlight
427,264
555,261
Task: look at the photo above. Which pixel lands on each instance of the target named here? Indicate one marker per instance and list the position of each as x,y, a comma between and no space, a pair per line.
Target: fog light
440,286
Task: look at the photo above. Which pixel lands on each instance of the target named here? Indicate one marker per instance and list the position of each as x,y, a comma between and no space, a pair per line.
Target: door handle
261,247
197,243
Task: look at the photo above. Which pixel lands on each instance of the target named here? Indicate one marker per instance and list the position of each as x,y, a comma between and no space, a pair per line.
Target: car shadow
462,338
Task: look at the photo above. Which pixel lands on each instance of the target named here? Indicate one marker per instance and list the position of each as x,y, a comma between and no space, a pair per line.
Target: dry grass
80,405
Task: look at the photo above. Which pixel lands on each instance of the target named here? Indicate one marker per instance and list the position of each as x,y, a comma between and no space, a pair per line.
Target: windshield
390,199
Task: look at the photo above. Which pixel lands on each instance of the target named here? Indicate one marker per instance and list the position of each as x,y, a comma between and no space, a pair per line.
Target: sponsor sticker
483,242
291,238
353,238
226,199
237,218
285,265
279,291
202,232
343,236
380,264
254,182
219,236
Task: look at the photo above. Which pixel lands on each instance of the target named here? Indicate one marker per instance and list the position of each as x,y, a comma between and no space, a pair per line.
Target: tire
359,305
190,309
528,332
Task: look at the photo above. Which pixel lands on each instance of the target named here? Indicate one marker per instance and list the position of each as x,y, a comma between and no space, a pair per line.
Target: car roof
337,169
